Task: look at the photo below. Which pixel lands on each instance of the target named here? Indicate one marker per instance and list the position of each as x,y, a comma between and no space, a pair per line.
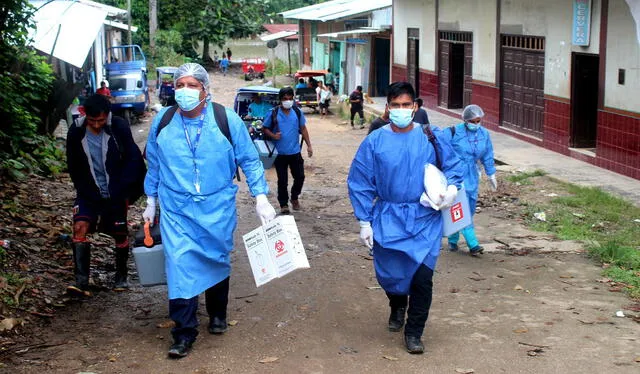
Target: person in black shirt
421,116
356,99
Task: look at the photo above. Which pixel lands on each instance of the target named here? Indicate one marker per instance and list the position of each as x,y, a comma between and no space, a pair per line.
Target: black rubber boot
81,268
413,344
120,282
396,319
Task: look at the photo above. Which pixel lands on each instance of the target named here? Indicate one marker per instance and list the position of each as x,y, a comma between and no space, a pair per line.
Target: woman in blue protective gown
191,166
473,145
385,184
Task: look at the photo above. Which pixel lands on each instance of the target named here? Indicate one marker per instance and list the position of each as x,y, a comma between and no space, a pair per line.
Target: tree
25,83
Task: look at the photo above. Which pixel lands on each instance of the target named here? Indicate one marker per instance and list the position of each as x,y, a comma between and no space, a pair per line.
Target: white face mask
287,104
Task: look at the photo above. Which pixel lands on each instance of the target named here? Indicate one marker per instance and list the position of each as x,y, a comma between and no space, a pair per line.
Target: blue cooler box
150,260
267,151
457,216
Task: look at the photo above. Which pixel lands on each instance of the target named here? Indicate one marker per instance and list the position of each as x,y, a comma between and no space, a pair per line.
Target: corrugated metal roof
352,32
67,30
336,9
278,35
273,28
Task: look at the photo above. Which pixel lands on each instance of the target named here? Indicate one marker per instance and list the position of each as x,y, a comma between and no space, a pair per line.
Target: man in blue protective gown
385,184
191,166
473,144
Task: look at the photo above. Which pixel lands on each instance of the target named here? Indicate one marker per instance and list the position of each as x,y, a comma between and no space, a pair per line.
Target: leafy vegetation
606,223
209,21
26,81
524,178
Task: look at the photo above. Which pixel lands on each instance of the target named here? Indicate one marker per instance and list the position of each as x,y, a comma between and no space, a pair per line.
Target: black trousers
359,111
184,311
419,300
296,164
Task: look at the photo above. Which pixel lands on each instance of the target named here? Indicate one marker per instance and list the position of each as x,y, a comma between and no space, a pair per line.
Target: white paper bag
275,250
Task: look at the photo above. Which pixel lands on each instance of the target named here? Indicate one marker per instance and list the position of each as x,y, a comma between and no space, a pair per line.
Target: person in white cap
191,164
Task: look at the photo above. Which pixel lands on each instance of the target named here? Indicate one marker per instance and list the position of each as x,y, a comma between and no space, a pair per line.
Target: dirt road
542,312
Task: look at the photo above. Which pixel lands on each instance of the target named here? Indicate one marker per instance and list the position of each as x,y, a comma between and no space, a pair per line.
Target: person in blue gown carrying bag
473,144
385,184
191,165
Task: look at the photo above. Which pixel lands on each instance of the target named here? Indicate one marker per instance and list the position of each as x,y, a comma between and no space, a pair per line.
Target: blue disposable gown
197,228
473,147
385,183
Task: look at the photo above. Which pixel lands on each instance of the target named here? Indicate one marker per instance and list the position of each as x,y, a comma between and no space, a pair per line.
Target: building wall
479,18
623,52
418,14
551,19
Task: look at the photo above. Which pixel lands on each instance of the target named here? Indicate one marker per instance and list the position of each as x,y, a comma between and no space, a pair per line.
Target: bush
26,81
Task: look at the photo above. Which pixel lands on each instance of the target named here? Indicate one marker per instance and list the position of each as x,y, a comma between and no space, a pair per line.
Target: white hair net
472,111
192,69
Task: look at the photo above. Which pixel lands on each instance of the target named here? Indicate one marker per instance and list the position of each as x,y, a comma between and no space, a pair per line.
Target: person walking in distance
356,99
284,125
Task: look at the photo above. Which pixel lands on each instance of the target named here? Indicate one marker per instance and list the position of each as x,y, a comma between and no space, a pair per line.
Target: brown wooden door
468,74
443,74
523,90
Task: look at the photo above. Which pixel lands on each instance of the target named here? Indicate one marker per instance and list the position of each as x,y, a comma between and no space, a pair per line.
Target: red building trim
487,95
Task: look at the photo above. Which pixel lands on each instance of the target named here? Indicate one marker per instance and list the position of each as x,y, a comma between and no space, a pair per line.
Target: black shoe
284,210
413,344
180,349
453,247
475,251
396,319
218,326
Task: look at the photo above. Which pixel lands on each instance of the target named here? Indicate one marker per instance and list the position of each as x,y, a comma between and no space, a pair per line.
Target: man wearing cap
191,169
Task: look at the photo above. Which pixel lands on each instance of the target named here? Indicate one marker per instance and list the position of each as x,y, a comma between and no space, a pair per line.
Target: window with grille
529,43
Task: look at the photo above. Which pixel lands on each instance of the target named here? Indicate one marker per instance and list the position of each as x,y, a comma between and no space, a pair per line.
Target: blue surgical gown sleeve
452,166
487,159
361,182
151,180
247,155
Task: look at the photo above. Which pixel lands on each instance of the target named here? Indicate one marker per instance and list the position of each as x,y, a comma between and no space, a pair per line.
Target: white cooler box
457,216
267,151
150,260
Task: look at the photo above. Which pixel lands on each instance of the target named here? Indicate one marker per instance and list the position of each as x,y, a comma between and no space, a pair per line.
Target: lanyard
193,147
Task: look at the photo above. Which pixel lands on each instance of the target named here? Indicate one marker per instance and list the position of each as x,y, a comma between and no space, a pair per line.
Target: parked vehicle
127,74
164,85
307,96
253,68
244,97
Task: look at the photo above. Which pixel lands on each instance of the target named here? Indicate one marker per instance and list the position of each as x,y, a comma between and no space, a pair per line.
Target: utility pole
153,26
129,21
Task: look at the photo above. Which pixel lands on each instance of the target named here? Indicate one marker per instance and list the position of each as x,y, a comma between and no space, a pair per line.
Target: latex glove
149,213
426,202
493,182
264,209
366,234
449,196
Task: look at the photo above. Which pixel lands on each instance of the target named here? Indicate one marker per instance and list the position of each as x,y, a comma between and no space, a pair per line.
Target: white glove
426,202
449,196
149,213
366,234
264,209
494,182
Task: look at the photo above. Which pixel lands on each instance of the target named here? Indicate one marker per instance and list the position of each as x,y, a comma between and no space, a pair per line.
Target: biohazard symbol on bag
279,246
456,212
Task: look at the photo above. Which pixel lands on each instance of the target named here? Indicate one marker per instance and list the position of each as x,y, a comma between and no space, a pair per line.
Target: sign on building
581,22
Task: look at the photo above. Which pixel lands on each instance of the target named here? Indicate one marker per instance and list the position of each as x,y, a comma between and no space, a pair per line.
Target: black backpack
219,113
434,142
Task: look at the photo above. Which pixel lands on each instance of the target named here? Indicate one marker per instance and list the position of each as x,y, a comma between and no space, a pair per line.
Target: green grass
605,222
524,178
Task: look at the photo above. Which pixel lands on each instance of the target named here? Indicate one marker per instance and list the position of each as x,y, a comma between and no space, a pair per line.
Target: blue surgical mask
472,126
401,117
188,98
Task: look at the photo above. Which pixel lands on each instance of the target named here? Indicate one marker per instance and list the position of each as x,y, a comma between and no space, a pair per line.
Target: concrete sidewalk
520,155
